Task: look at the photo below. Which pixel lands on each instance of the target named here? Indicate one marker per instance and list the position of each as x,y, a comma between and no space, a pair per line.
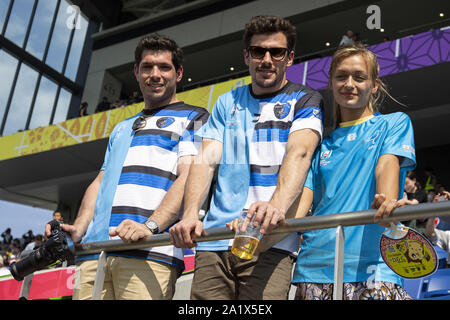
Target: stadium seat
414,287
437,285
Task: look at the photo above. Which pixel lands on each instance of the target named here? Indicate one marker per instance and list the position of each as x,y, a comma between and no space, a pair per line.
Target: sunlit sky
22,218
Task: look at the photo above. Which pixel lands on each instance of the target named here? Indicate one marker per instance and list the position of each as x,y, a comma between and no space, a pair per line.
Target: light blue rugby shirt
342,176
254,131
139,168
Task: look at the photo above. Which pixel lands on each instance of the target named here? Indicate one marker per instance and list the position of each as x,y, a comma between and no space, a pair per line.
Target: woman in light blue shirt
361,165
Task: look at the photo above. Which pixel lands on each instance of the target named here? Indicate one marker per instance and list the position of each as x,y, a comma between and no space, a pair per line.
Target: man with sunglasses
262,136
140,187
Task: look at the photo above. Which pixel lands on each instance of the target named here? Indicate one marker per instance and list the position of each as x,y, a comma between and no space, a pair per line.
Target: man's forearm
170,207
294,170
200,177
290,182
87,207
197,188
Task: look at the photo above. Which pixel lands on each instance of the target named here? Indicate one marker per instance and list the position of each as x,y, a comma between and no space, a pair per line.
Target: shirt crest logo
281,110
326,154
409,148
317,113
325,157
372,139
164,122
351,137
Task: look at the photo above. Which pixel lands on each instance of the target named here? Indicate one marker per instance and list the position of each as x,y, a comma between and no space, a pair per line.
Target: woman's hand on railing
385,207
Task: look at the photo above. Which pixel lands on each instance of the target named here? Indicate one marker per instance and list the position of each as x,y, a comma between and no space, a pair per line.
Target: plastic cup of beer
246,242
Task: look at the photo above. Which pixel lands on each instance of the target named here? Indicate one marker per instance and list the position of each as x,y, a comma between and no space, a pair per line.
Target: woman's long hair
375,99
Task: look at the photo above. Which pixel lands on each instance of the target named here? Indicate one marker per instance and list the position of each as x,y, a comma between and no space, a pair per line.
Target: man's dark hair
270,24
156,42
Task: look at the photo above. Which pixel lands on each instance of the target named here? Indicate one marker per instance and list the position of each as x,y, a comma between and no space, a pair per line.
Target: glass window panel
77,48
21,101
4,5
60,37
18,21
41,27
8,66
43,106
63,106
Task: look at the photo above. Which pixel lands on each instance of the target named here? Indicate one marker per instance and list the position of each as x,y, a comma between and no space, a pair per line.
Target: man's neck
259,91
158,104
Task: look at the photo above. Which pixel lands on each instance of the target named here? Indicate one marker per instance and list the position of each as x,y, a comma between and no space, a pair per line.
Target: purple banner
409,53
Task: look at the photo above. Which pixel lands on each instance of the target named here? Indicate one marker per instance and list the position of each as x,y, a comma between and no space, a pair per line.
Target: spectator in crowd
27,238
57,215
430,182
139,189
270,102
7,237
438,237
134,98
347,38
441,193
415,195
83,109
118,104
103,105
358,177
355,38
36,243
3,266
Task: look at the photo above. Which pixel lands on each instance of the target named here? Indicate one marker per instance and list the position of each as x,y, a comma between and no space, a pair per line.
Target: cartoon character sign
410,256
413,250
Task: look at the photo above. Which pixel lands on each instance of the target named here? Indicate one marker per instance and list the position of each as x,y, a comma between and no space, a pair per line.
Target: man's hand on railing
131,231
184,233
385,207
267,215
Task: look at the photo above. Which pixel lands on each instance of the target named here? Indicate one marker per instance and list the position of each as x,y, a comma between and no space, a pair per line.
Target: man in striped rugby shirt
139,189
261,136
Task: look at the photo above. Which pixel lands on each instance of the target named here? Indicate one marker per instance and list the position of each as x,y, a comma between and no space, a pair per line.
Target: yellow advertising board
99,125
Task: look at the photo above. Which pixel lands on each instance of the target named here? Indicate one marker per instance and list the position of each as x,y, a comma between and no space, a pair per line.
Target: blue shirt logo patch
281,110
164,122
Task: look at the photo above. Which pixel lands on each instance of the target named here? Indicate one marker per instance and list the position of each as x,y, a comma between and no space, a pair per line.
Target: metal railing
338,221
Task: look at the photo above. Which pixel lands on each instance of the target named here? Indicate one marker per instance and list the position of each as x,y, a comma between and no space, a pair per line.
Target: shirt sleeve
190,143
399,141
215,126
108,149
308,113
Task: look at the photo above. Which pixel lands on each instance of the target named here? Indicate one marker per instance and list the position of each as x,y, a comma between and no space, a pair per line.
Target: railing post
99,277
339,263
26,286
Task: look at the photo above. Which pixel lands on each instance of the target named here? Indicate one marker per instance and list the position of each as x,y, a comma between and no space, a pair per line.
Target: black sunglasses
277,54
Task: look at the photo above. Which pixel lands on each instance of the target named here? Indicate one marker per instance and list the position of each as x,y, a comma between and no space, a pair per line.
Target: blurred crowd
105,105
436,230
13,249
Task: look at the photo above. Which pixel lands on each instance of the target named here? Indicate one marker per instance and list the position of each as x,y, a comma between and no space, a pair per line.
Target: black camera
54,249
